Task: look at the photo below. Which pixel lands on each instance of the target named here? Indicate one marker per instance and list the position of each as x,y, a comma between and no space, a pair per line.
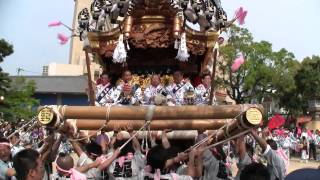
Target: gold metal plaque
45,116
254,116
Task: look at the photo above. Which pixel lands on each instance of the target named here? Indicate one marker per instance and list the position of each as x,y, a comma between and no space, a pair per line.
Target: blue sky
291,24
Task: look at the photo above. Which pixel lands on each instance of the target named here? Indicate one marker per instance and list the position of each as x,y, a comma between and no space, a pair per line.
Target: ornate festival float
156,36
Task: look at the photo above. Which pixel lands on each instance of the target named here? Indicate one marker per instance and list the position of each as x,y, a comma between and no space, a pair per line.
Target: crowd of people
111,91
31,152
305,143
57,155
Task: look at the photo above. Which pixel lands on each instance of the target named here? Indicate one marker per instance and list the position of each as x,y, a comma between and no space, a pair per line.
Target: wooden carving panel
196,47
107,48
156,35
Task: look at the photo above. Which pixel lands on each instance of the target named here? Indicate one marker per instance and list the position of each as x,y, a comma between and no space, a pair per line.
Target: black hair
255,171
64,161
272,144
104,73
62,154
123,72
126,149
24,161
4,140
94,148
113,78
158,155
203,75
178,71
156,158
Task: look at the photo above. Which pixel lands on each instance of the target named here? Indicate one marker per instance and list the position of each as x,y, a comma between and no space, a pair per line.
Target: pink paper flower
237,63
63,38
54,23
241,15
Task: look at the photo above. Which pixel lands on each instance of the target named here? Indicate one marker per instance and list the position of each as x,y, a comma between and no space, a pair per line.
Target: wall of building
55,69
62,99
76,47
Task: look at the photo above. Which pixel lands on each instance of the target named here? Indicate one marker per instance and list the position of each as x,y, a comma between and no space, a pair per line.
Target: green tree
264,75
307,87
5,50
307,80
18,102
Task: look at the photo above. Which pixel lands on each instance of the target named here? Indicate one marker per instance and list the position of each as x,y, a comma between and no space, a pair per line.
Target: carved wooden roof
152,27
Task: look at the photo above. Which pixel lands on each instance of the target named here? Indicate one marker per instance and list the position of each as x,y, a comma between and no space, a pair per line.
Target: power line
19,70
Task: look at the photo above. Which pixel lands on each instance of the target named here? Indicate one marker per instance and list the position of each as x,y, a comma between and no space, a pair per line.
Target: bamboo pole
213,75
91,92
160,112
175,134
195,124
246,122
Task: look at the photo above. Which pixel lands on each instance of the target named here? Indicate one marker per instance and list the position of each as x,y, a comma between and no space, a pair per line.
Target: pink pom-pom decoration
241,15
54,23
237,63
63,38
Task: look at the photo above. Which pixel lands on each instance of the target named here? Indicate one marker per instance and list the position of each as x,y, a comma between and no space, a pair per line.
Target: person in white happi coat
153,90
203,90
130,93
107,93
178,89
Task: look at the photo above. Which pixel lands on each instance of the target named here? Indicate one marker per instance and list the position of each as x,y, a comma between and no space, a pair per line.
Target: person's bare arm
263,143
191,165
135,143
180,157
46,145
87,167
241,147
164,139
11,172
153,137
76,148
45,155
55,147
199,163
108,162
104,146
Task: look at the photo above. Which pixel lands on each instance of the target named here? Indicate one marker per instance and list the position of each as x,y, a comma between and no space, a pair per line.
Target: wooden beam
160,112
195,124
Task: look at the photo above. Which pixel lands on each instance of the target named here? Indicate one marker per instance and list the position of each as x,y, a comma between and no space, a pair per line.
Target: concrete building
56,69
60,90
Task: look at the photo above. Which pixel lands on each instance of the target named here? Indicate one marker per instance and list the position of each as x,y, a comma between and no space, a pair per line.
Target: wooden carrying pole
252,118
90,87
160,112
195,124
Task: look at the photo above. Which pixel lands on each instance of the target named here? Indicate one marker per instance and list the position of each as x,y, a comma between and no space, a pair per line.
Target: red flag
276,121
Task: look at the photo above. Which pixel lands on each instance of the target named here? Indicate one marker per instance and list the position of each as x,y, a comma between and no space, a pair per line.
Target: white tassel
120,54
183,54
86,43
128,47
176,44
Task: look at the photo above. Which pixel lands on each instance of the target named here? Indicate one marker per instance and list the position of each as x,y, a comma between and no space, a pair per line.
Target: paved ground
294,165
